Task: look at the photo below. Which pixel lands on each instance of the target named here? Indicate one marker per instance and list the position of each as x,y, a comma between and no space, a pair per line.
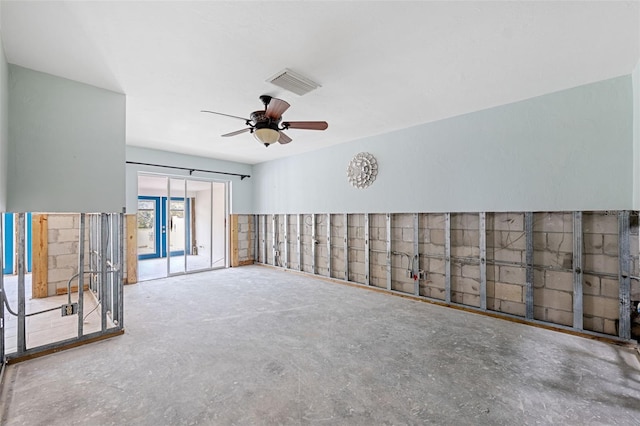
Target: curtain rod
191,170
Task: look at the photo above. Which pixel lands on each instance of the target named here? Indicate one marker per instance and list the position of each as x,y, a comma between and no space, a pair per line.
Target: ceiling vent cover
293,82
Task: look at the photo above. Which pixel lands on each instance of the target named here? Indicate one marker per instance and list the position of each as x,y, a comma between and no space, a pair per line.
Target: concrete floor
254,345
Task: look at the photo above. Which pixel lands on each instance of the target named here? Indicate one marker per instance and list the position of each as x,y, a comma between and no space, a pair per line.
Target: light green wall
241,190
4,126
570,150
66,145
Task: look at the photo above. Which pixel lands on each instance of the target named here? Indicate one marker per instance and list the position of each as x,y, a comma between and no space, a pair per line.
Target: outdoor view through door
181,225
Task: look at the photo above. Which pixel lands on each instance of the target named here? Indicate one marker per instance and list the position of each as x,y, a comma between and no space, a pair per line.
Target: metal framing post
286,241
483,259
367,271
447,257
624,257
22,341
388,233
81,276
329,244
274,241
255,239
104,221
416,255
577,271
314,241
2,295
264,239
120,272
346,247
299,225
528,297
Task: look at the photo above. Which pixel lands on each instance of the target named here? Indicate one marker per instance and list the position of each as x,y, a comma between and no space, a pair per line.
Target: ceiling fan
266,124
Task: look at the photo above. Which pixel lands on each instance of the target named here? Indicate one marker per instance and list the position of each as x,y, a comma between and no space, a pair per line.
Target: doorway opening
182,225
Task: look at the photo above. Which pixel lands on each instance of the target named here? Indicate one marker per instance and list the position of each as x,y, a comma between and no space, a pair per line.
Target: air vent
293,82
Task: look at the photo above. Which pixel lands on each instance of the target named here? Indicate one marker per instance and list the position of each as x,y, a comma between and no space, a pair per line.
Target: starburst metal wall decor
362,170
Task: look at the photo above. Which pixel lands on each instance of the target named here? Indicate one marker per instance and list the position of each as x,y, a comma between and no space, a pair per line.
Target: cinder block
560,242
471,271
513,275
465,251
635,290
436,266
506,222
609,288
67,261
539,240
66,235
591,285
465,285
609,327
60,274
436,281
407,234
564,260
436,236
558,280
601,263
592,243
600,307
553,222
599,223
559,317
593,323
511,240
513,308
610,244
435,220
51,262
505,255
471,299
553,299
60,221
511,292
491,286
435,293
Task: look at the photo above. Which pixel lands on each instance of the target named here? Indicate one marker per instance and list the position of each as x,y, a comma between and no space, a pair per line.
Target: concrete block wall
506,268
337,246
465,252
506,246
246,235
63,251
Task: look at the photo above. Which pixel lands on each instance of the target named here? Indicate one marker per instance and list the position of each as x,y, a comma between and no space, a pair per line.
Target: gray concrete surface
254,345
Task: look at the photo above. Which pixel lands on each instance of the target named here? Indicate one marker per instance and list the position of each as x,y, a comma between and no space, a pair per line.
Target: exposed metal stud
314,242
81,275
286,241
274,238
367,271
416,256
577,271
483,259
255,238
264,239
22,341
346,247
388,234
447,257
528,231
624,257
104,246
299,240
329,244
2,295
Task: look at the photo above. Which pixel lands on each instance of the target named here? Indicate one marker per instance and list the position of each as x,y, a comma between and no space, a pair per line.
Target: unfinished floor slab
255,345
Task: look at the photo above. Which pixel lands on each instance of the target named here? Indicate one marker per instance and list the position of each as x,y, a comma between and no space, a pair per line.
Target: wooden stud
234,240
40,256
131,224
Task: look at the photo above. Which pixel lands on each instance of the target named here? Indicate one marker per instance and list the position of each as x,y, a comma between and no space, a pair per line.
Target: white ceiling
382,65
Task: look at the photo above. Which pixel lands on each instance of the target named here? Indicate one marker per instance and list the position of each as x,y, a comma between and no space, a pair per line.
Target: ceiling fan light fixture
266,135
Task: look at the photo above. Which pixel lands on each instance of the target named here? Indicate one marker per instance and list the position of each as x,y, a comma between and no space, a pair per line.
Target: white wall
66,145
203,222
219,226
242,190
4,124
636,136
570,150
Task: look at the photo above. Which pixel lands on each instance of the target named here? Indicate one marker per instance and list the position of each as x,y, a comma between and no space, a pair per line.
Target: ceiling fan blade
226,115
237,132
276,108
308,125
284,138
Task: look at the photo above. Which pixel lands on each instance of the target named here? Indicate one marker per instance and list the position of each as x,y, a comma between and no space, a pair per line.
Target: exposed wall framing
575,270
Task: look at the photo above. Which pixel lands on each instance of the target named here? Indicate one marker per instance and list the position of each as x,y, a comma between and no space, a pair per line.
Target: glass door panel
148,227
176,214
219,225
199,220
